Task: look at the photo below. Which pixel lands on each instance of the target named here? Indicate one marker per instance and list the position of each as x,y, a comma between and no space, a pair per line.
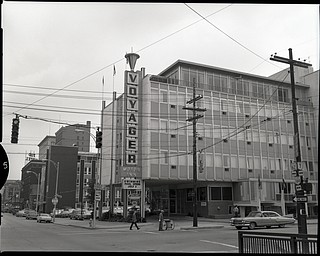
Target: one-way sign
303,199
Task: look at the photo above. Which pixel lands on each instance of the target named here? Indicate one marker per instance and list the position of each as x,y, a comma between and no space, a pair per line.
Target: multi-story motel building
245,140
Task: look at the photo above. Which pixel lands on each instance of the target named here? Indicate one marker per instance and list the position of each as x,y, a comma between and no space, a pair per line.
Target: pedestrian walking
134,219
161,220
236,211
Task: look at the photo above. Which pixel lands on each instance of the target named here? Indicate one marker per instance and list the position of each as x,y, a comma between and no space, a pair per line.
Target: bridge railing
266,242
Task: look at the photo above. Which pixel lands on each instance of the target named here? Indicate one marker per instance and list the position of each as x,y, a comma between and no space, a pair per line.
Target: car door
274,218
266,219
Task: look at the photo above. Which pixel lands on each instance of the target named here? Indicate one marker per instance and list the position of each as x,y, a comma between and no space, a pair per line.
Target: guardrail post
240,242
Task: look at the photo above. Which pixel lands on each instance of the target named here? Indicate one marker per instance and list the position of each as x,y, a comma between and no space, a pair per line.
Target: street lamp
38,177
55,199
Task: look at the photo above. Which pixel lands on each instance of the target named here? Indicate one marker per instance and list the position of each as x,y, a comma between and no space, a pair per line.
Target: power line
243,46
97,71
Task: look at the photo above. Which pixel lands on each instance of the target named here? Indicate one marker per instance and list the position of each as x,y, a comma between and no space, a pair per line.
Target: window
164,157
215,193
227,193
221,193
154,125
164,96
234,162
242,162
210,81
217,85
217,160
250,162
226,161
189,194
254,89
202,194
246,88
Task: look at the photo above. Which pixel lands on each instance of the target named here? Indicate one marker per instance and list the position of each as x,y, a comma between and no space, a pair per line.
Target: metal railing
265,242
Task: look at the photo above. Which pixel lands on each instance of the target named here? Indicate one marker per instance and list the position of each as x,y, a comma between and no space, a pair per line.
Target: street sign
299,165
54,200
298,187
98,195
303,199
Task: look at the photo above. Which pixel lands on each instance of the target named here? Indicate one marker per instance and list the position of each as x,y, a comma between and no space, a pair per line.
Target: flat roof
236,73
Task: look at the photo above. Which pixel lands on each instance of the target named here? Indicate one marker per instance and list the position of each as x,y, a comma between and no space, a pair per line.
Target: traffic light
98,139
15,130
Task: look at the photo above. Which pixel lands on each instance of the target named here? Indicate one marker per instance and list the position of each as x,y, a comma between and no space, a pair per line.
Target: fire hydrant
90,223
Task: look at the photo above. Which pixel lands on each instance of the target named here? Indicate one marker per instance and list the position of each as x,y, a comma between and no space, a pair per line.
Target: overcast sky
71,46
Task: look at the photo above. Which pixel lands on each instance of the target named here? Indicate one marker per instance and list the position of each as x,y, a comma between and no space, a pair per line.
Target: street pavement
152,224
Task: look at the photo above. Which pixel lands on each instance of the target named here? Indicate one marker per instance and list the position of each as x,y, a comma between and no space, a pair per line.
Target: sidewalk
181,223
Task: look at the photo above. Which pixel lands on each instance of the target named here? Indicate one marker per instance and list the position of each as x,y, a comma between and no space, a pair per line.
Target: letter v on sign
132,78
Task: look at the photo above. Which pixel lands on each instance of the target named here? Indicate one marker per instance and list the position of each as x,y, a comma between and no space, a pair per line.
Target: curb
203,227
99,226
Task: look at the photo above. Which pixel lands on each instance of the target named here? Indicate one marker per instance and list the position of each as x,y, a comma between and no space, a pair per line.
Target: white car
44,217
261,219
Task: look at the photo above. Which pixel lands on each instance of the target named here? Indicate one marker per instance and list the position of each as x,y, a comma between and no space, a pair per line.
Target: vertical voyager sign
131,124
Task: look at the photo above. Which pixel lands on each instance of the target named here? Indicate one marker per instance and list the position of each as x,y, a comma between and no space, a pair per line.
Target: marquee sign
132,109
131,184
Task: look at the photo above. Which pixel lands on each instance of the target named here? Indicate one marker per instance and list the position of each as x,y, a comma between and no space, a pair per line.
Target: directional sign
303,199
98,195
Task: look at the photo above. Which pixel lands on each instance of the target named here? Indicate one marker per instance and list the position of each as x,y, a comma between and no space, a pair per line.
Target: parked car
66,213
31,215
261,219
76,214
44,217
21,213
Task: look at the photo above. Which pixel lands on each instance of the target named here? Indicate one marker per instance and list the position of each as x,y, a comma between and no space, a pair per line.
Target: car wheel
239,228
252,225
281,226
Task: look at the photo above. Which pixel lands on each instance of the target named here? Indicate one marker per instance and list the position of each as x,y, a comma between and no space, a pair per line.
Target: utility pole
297,167
194,124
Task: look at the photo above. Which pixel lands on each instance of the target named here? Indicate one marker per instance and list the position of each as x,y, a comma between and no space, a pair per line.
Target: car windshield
254,214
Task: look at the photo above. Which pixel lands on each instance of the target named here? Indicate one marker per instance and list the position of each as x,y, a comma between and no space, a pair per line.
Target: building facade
75,135
87,173
10,194
245,142
60,177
